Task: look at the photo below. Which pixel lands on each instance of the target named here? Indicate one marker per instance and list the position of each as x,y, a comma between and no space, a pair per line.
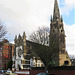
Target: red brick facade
6,50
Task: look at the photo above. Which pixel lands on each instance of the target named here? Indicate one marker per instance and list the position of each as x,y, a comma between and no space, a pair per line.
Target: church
25,52
25,55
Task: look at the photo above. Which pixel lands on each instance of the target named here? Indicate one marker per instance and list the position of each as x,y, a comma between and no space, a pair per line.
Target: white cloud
27,15
68,5
70,38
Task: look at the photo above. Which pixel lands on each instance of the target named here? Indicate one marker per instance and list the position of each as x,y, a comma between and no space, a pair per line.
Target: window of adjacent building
5,47
1,48
5,54
9,47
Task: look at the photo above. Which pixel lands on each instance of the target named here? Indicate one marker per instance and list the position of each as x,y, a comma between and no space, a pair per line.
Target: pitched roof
38,50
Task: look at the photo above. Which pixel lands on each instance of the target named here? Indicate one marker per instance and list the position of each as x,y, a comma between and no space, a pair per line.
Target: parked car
45,74
42,74
2,71
10,73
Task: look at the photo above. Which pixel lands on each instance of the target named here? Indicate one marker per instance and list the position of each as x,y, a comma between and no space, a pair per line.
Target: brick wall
63,72
55,72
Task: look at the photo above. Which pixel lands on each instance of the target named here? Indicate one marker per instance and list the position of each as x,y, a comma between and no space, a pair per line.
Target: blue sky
28,15
69,18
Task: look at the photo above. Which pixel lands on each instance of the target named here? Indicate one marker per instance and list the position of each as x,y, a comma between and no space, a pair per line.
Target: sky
27,15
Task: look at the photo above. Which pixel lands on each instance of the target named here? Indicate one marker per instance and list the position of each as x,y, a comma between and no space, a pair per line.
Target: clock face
19,52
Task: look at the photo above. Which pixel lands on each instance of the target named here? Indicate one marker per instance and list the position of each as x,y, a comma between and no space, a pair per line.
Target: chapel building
25,52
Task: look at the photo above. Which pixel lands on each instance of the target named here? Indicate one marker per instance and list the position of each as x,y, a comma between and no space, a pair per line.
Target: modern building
5,53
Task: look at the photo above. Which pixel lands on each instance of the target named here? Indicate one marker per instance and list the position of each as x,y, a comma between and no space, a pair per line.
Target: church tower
57,38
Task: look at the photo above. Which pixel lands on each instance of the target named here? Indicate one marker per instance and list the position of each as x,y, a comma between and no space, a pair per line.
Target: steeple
57,38
19,37
61,19
56,13
51,18
24,38
15,40
24,35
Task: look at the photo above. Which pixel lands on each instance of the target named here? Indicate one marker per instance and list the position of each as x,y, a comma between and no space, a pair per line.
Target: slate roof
35,48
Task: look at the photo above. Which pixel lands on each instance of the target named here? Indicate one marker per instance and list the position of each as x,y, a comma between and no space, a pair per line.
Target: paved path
10,74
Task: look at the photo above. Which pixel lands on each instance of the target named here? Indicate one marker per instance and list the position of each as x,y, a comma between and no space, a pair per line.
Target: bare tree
41,36
46,54
2,30
72,56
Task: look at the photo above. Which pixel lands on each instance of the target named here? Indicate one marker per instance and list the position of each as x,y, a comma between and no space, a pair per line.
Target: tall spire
56,13
24,35
61,19
24,38
15,40
51,18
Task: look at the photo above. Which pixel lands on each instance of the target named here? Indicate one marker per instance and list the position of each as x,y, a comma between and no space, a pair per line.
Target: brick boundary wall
34,72
55,72
70,70
62,72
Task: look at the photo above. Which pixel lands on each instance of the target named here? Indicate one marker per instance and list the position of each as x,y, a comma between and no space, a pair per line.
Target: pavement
9,74
13,74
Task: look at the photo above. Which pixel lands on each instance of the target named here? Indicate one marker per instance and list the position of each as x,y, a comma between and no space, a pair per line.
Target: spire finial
51,18
15,40
56,13
24,35
24,38
61,19
19,37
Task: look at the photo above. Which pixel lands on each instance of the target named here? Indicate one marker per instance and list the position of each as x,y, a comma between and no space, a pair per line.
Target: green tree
9,64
